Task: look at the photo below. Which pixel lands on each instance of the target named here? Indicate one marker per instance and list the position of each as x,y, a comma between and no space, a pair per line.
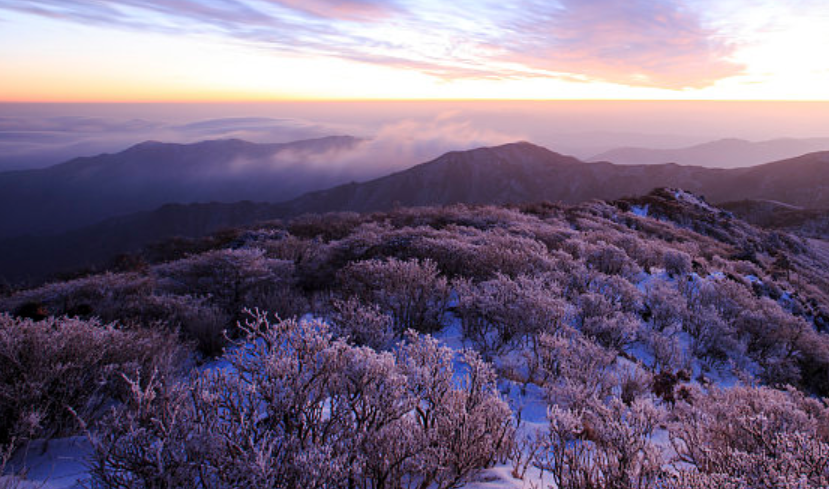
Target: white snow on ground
753,279
500,477
684,196
52,464
59,464
640,210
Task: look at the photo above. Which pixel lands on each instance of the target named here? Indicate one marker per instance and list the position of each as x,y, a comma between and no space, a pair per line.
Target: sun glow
55,59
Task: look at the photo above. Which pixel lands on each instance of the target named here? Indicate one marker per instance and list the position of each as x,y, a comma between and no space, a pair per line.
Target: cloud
403,144
346,10
32,142
634,42
663,43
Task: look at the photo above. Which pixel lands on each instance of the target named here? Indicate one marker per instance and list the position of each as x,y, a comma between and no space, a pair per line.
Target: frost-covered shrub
592,305
482,217
712,338
727,297
103,296
327,227
616,331
233,279
602,446
466,424
676,263
196,318
757,437
575,371
364,324
300,409
610,260
787,348
497,313
665,350
665,307
634,383
468,252
50,368
623,295
645,252
132,298
412,292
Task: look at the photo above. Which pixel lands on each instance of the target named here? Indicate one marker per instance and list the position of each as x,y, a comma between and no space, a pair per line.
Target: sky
287,50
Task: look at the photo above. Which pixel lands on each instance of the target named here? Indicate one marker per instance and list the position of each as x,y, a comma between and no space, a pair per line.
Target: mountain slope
517,172
777,215
512,173
523,172
87,190
30,259
724,153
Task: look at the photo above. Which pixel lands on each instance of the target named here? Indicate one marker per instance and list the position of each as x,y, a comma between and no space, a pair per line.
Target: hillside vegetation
648,342
51,227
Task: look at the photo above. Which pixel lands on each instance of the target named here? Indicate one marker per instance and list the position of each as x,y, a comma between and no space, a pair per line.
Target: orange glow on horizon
53,60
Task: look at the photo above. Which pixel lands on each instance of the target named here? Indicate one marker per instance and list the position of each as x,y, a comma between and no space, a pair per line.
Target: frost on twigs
298,408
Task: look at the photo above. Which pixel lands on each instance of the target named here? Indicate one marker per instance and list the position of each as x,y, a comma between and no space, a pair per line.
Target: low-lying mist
400,134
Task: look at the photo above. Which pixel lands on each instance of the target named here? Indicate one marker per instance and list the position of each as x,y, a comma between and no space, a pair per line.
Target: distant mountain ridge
86,190
523,172
511,173
723,153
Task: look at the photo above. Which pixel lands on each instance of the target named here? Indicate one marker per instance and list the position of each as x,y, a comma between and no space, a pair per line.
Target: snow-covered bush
666,352
610,260
103,296
617,331
712,338
757,437
676,263
327,227
575,371
197,319
128,298
602,446
51,370
412,292
301,409
623,295
233,279
497,313
363,324
665,307
468,252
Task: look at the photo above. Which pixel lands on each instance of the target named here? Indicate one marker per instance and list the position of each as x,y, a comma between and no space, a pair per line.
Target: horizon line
410,100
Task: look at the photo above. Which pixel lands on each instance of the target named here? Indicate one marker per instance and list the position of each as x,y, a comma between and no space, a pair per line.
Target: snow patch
640,210
753,279
53,464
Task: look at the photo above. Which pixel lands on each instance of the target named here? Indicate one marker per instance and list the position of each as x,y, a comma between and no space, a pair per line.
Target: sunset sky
217,50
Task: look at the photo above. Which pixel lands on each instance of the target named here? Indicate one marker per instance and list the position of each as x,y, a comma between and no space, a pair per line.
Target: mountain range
523,172
511,173
723,153
86,190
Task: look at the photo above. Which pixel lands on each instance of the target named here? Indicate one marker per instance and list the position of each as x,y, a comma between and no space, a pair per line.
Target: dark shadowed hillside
30,259
523,172
512,173
518,172
87,190
777,215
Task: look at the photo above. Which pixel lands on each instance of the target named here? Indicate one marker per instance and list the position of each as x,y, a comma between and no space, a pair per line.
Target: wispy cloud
633,42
